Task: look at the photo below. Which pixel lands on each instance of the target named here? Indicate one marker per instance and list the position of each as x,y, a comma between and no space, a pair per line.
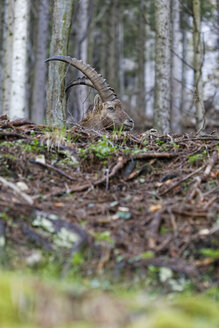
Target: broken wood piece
153,230
26,197
211,162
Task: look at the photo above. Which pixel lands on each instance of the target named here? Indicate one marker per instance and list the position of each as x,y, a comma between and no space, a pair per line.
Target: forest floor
135,208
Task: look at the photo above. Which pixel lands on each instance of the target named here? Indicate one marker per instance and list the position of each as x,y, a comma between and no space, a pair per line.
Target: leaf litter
130,202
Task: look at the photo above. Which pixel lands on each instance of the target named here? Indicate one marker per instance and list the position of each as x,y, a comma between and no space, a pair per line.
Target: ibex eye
111,108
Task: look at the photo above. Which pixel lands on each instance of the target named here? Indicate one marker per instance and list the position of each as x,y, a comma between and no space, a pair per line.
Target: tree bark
141,57
149,63
111,47
176,65
197,63
162,66
18,105
2,7
61,25
218,23
39,80
121,57
82,53
184,67
8,35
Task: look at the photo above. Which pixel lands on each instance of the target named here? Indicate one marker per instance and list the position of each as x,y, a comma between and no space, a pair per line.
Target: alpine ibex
108,111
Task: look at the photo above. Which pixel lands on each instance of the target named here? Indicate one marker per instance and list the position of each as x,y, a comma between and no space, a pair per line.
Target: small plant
77,259
118,132
33,146
209,252
159,141
56,137
194,158
174,145
4,216
103,149
165,147
104,238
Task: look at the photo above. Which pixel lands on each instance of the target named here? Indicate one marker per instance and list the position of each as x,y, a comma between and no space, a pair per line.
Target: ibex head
108,111
107,115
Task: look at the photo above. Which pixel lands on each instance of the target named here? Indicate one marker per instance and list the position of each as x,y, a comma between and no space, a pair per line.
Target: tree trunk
162,66
61,25
92,12
39,80
184,67
7,58
2,7
176,65
218,23
141,58
81,53
121,54
149,63
197,63
104,45
111,49
18,104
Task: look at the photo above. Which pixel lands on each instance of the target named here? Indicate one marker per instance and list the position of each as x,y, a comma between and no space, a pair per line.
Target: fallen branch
175,264
51,167
13,134
215,138
190,213
26,197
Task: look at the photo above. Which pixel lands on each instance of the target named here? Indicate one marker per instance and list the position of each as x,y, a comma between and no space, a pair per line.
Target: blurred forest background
161,57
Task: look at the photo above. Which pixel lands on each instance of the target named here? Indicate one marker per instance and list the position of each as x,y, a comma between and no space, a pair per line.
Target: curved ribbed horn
79,81
100,84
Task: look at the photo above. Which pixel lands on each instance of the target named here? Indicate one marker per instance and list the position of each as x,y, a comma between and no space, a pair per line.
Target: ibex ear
97,103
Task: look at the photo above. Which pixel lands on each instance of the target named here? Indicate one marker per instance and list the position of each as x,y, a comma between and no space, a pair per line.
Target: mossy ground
120,219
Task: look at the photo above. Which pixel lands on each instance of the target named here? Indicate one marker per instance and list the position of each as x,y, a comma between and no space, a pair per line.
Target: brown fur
107,115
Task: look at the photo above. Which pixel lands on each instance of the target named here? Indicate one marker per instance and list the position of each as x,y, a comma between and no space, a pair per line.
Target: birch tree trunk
61,25
18,103
162,66
176,65
8,29
39,81
141,57
149,63
197,63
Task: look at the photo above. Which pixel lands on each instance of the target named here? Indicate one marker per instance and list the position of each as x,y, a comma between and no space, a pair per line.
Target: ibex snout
128,124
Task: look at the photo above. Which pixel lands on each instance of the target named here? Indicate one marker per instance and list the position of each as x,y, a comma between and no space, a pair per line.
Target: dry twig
51,167
182,180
